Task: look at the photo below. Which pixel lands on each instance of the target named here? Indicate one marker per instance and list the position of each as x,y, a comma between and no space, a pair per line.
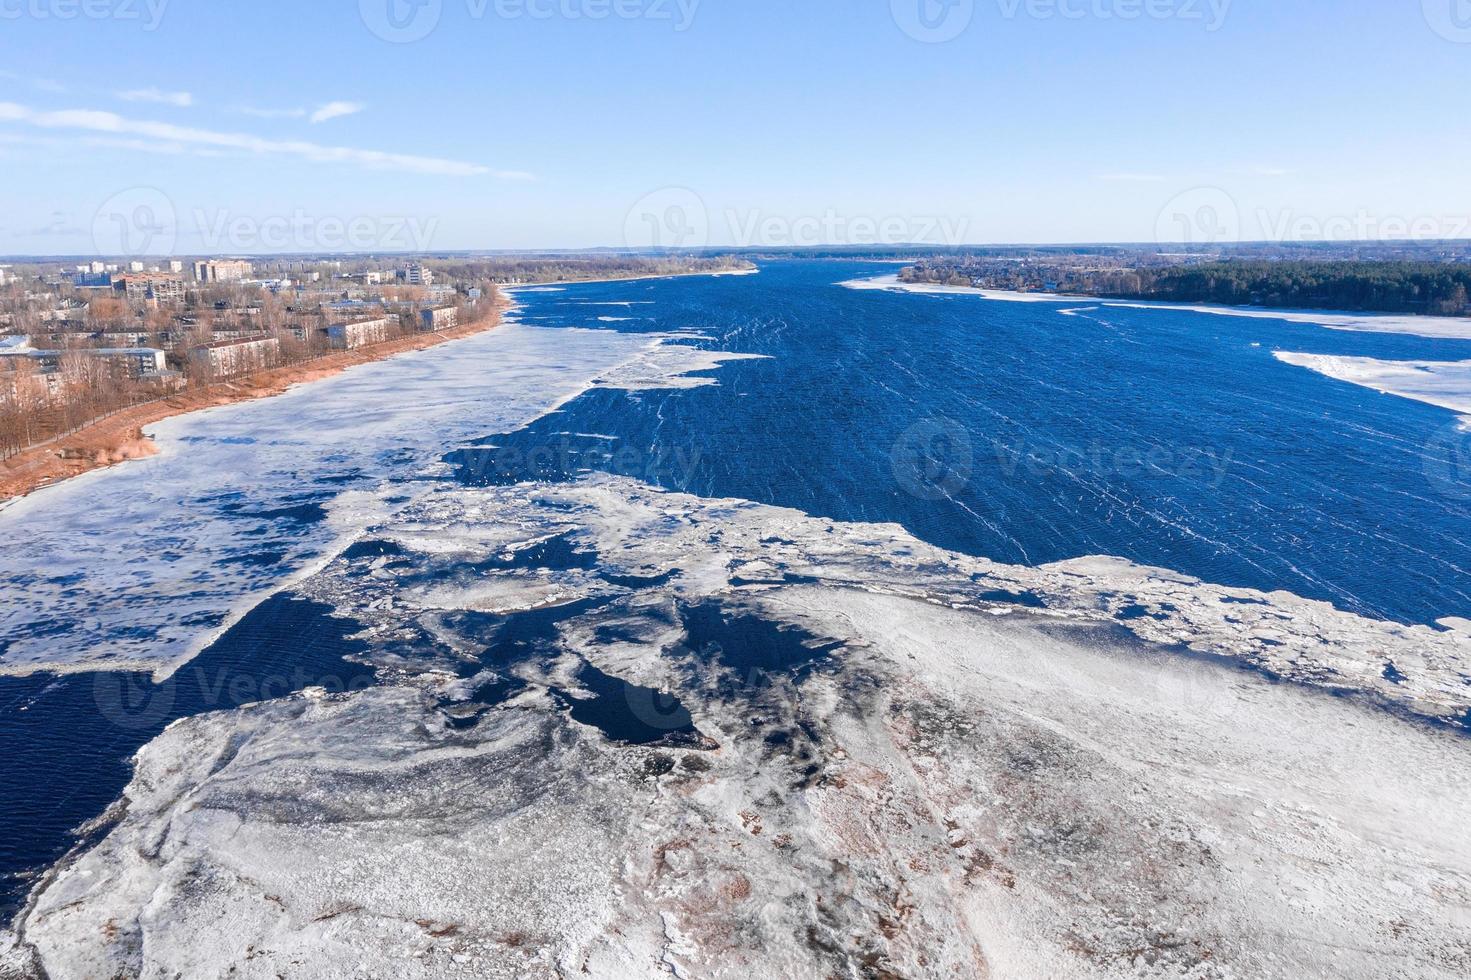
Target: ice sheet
1438,327
1445,384
958,786
143,564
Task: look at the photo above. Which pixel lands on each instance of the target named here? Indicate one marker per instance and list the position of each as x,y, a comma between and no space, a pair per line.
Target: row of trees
38,405
1387,287
1432,288
566,268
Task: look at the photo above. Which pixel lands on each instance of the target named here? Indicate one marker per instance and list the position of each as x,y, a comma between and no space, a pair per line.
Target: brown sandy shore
120,437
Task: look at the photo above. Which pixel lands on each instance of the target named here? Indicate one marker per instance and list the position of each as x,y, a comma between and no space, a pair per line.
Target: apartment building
233,358
361,333
443,318
222,270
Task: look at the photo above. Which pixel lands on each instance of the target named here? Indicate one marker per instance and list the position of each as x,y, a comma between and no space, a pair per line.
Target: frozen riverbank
1438,327
639,733
143,565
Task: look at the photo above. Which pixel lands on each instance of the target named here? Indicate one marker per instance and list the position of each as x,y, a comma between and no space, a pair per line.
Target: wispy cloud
336,110
274,113
1133,178
182,100
331,110
42,84
111,124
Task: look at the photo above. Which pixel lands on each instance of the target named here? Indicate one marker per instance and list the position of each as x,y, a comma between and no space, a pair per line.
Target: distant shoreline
120,438
1418,325
653,275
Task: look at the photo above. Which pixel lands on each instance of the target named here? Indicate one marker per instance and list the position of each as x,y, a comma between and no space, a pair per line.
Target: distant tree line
1431,288
571,268
1387,287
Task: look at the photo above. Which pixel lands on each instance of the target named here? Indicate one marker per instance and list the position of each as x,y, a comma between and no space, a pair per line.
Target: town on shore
83,342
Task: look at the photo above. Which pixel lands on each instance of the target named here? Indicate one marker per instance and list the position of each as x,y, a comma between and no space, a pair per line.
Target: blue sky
200,125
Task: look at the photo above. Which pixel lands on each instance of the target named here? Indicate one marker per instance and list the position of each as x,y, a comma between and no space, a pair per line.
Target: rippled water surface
1027,434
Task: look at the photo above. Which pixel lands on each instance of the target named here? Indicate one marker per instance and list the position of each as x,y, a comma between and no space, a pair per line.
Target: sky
152,127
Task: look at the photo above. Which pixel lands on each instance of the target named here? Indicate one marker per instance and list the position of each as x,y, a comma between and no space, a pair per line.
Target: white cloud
111,124
182,100
335,110
43,84
274,113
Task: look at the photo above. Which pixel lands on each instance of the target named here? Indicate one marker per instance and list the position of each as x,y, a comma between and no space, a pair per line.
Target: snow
144,564
1445,384
962,788
1437,327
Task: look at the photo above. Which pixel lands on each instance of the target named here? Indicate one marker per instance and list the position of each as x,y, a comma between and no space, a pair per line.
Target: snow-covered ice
1445,384
960,769
144,564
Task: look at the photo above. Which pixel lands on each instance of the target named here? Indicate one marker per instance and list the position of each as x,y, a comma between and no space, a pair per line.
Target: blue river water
1012,431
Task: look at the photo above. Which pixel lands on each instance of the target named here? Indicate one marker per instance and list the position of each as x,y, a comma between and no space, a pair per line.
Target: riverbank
556,283
1432,327
120,437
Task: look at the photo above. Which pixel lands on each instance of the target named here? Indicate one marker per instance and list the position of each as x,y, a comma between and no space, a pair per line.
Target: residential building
361,333
222,270
92,280
232,358
136,362
135,266
161,287
443,318
123,338
176,266
417,275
